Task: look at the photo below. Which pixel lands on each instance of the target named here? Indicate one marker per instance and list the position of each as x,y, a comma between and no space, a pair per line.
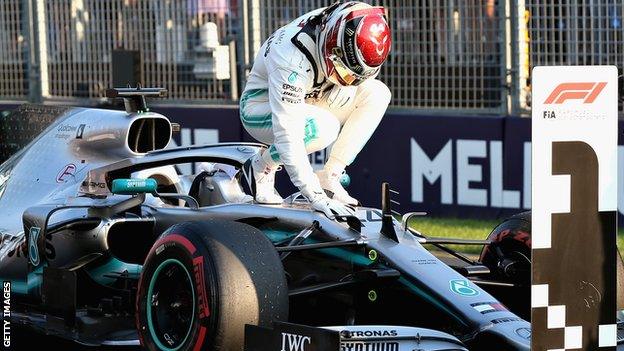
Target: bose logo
294,342
588,92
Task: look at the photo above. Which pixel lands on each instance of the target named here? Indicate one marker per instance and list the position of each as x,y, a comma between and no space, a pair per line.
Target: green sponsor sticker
462,287
293,77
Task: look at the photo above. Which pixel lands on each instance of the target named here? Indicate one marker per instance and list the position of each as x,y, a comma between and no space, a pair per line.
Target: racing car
105,241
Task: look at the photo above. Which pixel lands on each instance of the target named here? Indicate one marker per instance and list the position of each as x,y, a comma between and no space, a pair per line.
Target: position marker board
574,192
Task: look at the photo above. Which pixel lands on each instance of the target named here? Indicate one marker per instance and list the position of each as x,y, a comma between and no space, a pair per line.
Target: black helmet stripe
350,46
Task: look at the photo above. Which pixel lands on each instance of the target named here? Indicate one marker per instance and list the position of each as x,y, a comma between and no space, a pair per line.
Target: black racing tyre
509,255
203,281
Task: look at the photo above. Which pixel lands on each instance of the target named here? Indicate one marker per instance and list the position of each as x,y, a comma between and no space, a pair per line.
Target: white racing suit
289,105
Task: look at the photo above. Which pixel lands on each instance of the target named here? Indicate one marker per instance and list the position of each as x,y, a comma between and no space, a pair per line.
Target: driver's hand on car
331,208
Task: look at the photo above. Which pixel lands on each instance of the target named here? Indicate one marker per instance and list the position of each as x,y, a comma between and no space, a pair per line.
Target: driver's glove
322,203
332,208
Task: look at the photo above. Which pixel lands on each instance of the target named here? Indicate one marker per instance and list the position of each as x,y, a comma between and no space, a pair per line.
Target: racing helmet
354,41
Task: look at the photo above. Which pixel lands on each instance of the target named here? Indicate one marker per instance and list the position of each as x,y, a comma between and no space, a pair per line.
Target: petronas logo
292,78
462,287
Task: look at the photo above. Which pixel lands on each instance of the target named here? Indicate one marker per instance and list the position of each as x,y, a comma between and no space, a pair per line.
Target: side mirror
134,186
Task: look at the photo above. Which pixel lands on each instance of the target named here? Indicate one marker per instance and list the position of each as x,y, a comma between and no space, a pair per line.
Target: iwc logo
294,342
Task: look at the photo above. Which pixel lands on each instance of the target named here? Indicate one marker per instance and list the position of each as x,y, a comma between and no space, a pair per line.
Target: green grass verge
467,229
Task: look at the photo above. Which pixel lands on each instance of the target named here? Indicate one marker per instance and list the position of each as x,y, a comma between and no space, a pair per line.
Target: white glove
322,203
340,96
332,208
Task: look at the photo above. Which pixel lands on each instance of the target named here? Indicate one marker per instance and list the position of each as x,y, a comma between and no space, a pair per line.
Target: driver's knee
321,131
374,92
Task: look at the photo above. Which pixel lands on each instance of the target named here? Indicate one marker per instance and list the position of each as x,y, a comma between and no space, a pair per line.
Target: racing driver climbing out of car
313,84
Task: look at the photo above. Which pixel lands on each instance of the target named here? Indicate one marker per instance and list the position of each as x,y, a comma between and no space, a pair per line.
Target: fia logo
294,342
33,249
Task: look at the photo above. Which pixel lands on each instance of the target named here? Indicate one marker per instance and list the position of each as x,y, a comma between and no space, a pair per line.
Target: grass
468,229
455,228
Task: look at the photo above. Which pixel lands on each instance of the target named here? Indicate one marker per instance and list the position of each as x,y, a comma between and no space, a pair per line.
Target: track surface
26,340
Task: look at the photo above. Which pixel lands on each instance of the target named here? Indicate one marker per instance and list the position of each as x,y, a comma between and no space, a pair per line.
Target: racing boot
330,182
261,177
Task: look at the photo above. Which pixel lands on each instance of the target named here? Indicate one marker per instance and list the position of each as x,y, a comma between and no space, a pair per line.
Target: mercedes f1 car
106,242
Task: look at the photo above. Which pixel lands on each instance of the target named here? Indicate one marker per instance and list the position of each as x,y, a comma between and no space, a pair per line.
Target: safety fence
449,56
574,32
13,46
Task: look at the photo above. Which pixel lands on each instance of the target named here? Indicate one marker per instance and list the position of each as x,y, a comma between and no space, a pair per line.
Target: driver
313,84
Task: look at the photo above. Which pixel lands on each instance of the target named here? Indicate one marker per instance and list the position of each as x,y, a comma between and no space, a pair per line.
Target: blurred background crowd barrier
449,56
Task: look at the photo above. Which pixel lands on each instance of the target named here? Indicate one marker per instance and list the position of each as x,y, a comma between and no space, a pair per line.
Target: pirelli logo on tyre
587,91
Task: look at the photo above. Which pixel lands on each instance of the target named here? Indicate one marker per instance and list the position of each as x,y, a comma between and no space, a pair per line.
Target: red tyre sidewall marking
198,267
200,339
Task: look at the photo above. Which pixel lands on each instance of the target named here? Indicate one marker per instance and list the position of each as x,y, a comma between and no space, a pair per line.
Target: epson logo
294,342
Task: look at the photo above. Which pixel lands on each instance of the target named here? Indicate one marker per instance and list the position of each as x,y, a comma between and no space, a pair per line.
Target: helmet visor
345,75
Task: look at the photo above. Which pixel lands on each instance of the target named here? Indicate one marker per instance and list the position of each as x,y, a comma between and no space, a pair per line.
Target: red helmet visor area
343,74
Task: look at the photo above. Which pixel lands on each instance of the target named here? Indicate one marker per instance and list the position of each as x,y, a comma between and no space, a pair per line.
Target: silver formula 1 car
104,241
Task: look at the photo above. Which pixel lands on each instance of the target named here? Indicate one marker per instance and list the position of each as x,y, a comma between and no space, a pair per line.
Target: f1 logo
588,92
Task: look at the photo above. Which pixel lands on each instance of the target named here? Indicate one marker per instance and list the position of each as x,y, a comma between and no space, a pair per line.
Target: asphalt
23,340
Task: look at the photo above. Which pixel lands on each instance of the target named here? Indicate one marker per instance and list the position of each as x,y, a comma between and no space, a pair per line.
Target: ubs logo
524,333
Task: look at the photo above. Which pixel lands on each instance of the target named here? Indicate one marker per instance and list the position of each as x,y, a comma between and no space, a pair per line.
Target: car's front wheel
203,281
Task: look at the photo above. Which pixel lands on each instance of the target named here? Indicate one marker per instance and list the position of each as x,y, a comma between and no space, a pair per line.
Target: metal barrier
184,46
573,32
449,56
13,55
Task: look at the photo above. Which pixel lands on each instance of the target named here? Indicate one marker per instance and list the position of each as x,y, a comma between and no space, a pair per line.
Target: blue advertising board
469,166
444,165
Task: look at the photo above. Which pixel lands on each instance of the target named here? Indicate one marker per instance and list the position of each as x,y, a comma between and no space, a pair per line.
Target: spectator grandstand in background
452,57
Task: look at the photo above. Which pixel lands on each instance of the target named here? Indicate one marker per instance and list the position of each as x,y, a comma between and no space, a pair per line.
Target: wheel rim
170,305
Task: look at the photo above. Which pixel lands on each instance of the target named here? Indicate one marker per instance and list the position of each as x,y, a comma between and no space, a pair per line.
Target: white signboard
574,201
